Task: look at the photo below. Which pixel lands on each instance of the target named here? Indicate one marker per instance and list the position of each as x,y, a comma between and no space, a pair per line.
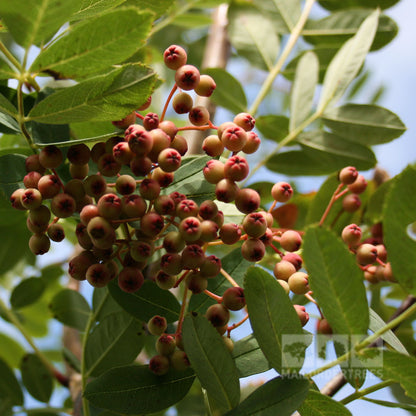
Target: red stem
182,312
172,91
330,204
178,282
230,328
213,296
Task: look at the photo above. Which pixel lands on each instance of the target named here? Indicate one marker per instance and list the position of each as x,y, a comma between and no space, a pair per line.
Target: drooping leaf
35,22
347,4
351,153
192,20
229,93
148,301
36,377
10,390
27,292
374,210
7,123
336,28
347,62
273,127
115,341
252,34
91,8
248,357
303,89
135,389
275,322
284,13
391,365
12,168
14,235
157,7
105,97
399,213
317,404
279,396
211,361
10,350
336,281
404,406
324,55
70,307
389,336
94,44
103,304
322,153
364,123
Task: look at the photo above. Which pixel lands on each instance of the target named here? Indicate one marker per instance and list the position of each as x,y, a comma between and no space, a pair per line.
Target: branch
339,381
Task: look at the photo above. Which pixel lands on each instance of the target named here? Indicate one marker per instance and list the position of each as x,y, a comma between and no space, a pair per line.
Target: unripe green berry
366,254
253,249
195,282
165,344
290,240
159,365
165,281
179,360
228,343
218,315
299,283
182,103
284,285
39,244
254,224
213,146
157,325
283,270
206,86
233,298
56,232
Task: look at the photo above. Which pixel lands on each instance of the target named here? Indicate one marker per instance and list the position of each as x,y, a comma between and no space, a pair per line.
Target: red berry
174,57
187,77
348,175
281,191
206,86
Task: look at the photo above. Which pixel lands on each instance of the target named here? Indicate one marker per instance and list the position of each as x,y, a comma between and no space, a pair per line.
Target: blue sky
395,67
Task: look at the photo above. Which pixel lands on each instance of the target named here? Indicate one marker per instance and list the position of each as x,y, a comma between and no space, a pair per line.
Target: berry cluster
371,254
117,195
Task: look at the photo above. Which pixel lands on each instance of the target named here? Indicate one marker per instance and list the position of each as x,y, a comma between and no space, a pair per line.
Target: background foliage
68,69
